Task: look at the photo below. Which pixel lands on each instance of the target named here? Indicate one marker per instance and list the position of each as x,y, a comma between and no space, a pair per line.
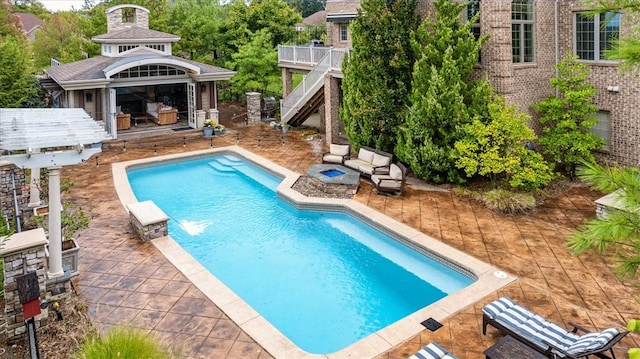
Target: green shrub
509,202
124,343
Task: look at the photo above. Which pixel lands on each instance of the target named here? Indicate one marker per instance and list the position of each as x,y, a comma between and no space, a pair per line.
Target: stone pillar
331,109
253,107
55,235
23,253
287,82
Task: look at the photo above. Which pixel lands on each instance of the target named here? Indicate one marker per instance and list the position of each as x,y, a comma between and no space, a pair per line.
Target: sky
58,5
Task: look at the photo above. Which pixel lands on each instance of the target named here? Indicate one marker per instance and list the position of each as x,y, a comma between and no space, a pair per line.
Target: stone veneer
116,21
254,109
23,253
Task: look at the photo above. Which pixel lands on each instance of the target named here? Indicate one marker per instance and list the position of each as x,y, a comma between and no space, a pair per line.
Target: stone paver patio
126,281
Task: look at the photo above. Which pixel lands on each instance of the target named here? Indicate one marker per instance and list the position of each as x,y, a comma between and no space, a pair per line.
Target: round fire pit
334,179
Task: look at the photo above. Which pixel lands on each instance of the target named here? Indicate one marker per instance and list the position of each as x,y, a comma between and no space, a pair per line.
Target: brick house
527,39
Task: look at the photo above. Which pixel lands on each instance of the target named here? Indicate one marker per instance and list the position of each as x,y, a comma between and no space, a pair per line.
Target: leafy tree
377,74
198,23
9,23
257,66
568,118
497,149
619,231
34,7
443,97
19,88
244,19
60,38
627,49
307,7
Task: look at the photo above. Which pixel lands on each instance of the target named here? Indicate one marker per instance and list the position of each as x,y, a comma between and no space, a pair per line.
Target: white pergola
49,137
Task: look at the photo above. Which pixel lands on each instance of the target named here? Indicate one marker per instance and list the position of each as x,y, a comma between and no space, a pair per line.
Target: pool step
229,160
221,169
266,180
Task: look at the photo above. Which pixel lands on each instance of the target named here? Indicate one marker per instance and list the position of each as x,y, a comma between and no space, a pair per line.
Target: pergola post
34,189
55,232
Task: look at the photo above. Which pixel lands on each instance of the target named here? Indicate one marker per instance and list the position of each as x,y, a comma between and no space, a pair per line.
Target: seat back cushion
339,150
395,172
380,160
498,306
152,106
593,341
365,155
431,351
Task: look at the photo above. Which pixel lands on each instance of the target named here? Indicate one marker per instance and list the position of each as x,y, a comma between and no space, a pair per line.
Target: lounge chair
432,351
337,154
391,183
546,337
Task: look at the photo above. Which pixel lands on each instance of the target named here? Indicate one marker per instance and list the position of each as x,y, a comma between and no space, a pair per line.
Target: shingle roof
136,33
29,21
93,68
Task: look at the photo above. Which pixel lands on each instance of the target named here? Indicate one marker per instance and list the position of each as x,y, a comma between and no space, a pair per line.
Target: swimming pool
188,228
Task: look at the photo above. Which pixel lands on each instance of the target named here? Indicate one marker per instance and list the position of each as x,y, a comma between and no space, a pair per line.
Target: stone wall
7,205
116,20
254,107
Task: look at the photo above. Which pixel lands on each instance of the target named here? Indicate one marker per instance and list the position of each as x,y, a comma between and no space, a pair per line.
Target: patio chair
391,183
432,351
546,337
337,154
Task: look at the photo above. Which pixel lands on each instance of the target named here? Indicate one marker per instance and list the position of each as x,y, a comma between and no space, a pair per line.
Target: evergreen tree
443,98
257,66
377,74
567,119
619,231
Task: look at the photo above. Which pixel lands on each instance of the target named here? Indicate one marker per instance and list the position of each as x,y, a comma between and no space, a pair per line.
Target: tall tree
199,25
257,66
18,86
443,97
60,38
377,74
567,118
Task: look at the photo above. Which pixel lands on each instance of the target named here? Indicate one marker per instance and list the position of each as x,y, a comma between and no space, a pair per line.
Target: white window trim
346,25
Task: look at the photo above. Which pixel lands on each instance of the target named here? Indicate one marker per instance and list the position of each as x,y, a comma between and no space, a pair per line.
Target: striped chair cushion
496,307
592,341
432,351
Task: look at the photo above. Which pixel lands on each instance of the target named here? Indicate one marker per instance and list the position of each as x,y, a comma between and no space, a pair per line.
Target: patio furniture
432,351
391,183
510,348
162,114
337,154
370,161
546,337
123,121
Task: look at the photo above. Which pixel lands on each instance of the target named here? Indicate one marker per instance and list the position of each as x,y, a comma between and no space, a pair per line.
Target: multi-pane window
123,48
602,129
156,47
595,34
344,32
149,71
472,10
522,31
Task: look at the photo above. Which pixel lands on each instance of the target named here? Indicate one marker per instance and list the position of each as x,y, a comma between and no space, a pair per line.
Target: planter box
207,131
70,252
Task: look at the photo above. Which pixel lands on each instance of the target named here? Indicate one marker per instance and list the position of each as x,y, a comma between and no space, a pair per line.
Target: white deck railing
330,61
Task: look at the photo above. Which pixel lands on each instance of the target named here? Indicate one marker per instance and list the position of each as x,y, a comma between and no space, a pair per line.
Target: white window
344,31
156,47
602,129
106,49
123,48
595,34
522,31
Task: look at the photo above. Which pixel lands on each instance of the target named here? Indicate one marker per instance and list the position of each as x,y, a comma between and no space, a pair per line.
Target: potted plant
207,130
219,129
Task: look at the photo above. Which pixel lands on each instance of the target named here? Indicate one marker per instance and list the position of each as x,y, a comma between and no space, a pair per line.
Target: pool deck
128,281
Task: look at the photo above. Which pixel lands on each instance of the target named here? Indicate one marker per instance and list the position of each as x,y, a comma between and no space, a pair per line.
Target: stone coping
348,176
488,278
22,240
147,212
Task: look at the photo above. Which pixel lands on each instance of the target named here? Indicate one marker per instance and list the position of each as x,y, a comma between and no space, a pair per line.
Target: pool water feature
332,172
324,279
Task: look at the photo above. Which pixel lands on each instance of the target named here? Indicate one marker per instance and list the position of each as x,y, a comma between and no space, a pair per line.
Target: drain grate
431,324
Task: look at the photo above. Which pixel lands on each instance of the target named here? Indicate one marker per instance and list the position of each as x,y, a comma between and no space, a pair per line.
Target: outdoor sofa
546,337
370,162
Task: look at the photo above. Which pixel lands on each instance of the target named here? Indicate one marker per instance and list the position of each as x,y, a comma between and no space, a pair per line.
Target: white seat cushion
340,150
395,172
380,160
332,158
365,155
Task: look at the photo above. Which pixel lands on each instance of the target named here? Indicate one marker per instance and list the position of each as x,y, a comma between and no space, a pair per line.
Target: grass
125,343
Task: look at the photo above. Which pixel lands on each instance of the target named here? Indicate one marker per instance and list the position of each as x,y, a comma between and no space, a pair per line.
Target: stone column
55,235
497,56
253,107
23,253
331,109
287,82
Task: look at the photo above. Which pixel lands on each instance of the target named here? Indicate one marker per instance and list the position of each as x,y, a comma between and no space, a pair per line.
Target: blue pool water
324,279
